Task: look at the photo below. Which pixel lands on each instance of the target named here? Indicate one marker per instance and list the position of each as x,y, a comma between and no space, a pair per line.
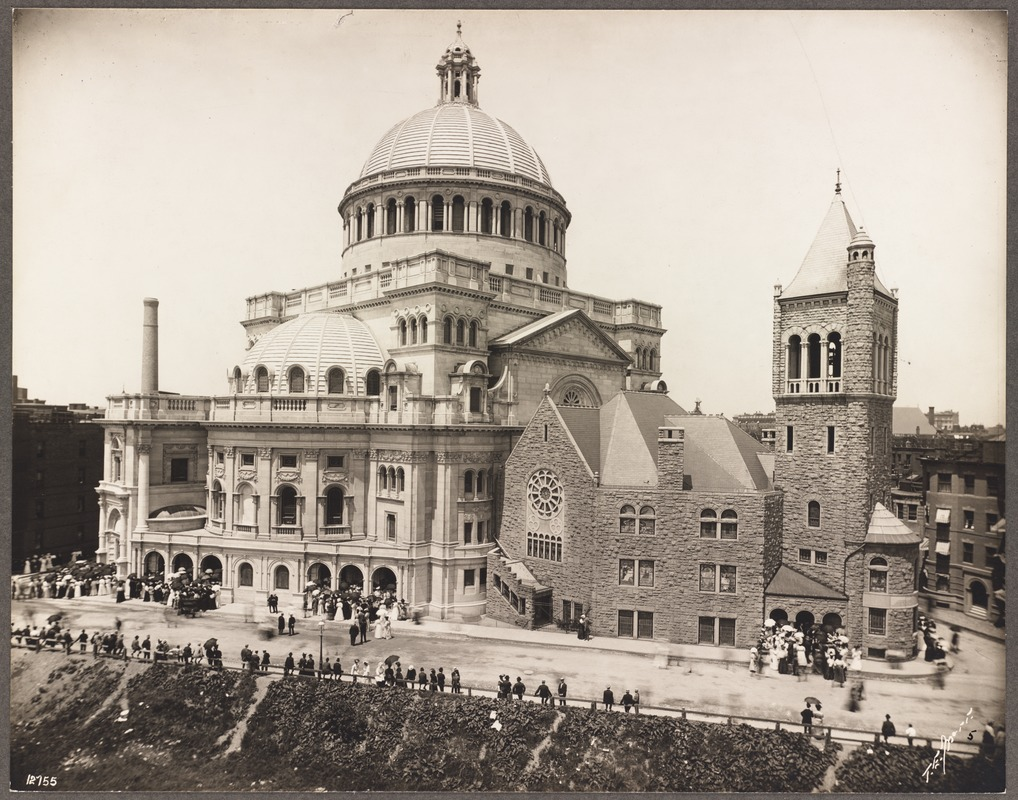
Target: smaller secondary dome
861,238
317,343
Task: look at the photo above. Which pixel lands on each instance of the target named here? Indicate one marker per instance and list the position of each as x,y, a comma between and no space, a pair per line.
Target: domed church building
363,433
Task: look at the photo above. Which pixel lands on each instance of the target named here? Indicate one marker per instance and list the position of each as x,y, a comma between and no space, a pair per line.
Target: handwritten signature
940,758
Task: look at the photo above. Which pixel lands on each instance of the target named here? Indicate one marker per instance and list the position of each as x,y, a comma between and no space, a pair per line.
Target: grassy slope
306,735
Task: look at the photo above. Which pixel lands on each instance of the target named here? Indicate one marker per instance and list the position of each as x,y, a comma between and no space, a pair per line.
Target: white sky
198,157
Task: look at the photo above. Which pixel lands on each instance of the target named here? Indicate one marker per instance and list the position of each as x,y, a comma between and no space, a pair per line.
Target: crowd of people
789,650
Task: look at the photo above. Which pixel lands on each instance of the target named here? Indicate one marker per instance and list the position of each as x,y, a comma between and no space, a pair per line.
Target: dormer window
296,381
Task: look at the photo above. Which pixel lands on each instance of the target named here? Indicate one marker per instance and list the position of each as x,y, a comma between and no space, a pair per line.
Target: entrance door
542,609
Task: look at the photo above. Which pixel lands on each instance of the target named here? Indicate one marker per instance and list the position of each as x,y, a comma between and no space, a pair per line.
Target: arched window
980,598
218,501
834,355
473,333
337,381
286,506
480,483
813,356
400,480
572,397
447,330
542,222
409,215
246,511
282,578
460,331
413,330
360,224
627,519
383,478
402,332
437,213
424,330
237,387
487,215
652,360
458,214
468,482
261,379
373,383
813,514
296,381
390,216
334,506
554,229
708,524
729,524
794,358
505,219
245,575
371,219
392,479
648,520
878,575
528,224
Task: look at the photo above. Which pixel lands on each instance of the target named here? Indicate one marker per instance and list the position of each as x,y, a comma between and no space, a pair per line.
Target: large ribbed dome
455,135
317,343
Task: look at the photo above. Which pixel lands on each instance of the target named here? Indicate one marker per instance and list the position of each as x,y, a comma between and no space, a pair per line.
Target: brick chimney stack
150,347
671,462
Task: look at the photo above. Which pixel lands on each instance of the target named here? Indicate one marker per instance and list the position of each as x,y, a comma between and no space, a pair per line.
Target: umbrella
769,623
54,617
788,628
813,700
391,660
211,643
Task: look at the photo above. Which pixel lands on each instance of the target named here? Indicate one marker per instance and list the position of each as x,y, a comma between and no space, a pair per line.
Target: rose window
545,494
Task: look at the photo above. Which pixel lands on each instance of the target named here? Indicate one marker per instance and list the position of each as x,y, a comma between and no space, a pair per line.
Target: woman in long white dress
380,625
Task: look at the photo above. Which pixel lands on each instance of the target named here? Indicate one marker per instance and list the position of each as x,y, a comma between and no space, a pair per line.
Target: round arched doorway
779,615
833,621
804,620
182,561
212,569
980,600
350,577
384,579
320,575
155,565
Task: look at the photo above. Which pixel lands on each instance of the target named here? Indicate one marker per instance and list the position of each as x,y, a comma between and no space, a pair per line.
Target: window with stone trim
877,622
878,574
729,524
627,519
708,524
648,521
813,514
245,576
545,546
969,519
968,550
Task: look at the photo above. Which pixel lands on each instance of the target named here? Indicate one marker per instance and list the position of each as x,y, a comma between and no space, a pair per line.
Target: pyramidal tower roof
825,268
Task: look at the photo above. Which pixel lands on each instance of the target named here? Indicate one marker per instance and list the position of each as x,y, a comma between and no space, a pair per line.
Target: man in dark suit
362,625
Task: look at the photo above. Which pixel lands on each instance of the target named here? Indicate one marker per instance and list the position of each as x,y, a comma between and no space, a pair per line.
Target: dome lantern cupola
458,73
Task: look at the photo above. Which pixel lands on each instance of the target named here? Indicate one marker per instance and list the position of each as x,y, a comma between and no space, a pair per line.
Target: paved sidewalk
967,623
664,653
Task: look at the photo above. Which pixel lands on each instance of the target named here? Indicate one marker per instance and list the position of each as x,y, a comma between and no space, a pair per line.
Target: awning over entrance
943,516
943,548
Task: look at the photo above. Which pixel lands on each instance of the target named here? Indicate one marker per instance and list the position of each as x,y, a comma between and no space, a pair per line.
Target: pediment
570,333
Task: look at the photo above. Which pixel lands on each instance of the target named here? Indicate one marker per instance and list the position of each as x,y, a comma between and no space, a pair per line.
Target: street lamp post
321,643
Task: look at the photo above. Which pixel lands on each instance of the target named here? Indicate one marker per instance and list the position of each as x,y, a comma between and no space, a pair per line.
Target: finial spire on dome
458,72
837,183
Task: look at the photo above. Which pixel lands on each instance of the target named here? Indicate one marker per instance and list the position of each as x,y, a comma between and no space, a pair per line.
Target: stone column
143,483
400,210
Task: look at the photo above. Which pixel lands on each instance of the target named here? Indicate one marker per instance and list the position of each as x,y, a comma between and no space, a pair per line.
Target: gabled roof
911,421
585,426
720,455
824,270
552,321
629,423
788,582
885,528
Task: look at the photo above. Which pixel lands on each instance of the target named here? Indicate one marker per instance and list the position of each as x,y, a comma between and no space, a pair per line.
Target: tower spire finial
837,182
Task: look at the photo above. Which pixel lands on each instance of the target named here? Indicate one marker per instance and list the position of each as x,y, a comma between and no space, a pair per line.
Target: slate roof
720,455
824,270
904,422
585,426
885,528
629,423
788,582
